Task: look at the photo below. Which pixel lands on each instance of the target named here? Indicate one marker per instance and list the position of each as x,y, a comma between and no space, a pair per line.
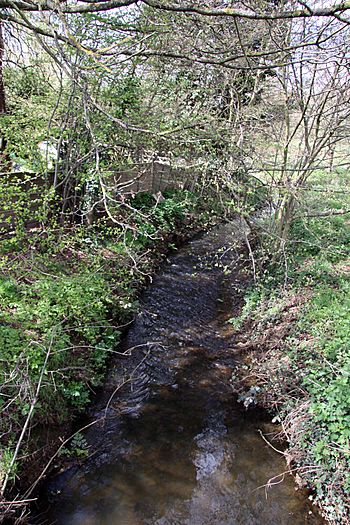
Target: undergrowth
300,357
64,298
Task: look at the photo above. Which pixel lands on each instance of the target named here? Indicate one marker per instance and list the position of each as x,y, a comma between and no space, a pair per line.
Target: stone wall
154,176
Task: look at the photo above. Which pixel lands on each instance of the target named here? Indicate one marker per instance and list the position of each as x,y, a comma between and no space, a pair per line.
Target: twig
270,445
27,421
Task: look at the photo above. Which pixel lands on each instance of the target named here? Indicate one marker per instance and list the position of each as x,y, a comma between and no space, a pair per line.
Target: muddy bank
168,443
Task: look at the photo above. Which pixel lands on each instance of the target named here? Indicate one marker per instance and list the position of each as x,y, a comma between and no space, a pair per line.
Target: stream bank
66,297
168,443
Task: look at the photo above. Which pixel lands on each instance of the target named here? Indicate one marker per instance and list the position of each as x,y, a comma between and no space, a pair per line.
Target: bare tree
308,106
235,52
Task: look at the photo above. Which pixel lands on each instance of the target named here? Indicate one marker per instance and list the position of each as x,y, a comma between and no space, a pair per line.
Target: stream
171,445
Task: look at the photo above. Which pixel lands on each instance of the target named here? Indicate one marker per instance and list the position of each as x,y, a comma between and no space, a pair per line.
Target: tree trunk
2,87
2,94
283,219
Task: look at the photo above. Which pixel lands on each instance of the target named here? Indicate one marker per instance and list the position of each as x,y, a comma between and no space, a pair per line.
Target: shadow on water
175,448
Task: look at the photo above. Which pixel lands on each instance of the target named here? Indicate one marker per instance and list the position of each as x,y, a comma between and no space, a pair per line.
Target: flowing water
171,446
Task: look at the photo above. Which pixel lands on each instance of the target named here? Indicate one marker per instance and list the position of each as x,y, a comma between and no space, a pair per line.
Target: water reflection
188,454
193,458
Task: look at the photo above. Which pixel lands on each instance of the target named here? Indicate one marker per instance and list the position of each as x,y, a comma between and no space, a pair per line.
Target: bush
60,300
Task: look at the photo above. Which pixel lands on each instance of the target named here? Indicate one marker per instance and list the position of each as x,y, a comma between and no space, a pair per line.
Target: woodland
125,128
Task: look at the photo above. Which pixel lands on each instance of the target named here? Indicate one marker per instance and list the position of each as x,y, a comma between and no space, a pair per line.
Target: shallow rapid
171,445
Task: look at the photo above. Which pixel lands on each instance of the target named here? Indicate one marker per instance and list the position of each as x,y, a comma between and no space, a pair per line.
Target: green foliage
327,381
22,203
143,201
6,469
171,210
25,83
315,360
24,184
249,194
251,301
329,238
326,237
125,95
61,297
163,216
78,447
31,107
68,314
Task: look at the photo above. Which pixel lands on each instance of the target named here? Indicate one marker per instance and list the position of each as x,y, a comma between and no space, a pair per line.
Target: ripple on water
175,447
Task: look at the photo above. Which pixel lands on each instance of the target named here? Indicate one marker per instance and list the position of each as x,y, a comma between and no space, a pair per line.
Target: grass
304,373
